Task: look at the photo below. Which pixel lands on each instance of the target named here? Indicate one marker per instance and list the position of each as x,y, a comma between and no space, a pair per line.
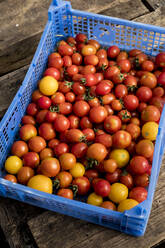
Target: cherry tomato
111,71
110,165
63,179
116,105
58,98
89,134
85,123
98,114
158,91
78,170
134,130
135,121
19,148
31,159
10,178
67,193
118,193
46,131
138,165
67,61
41,115
88,50
88,69
91,174
36,95
104,139
102,187
99,77
112,124
77,59
147,65
67,161
113,177
72,70
125,65
81,108
36,144
145,148
149,80
74,135
52,143
79,149
139,59
61,123
53,72
44,102
56,62
24,175
89,80
160,59
101,53
131,83
78,88
122,55
81,38
121,91
27,131
91,60
50,116
141,180
32,109
144,94
113,51
94,199
94,102
103,64
142,106
134,52
46,153
97,152
83,185
61,149
131,102
108,205
104,87
42,183
65,50
161,79
121,139
28,119
74,121
70,97
126,179
107,99
138,193
65,87
150,113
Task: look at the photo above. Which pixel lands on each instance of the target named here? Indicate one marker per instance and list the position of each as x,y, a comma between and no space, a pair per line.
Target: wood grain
154,4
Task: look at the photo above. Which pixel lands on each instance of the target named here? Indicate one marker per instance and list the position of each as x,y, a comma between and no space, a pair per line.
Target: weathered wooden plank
126,9
76,231
9,85
155,18
152,4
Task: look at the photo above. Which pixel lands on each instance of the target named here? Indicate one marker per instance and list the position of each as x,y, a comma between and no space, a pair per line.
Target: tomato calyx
131,88
136,63
54,108
125,115
124,173
56,183
91,163
74,188
103,67
69,84
87,95
121,101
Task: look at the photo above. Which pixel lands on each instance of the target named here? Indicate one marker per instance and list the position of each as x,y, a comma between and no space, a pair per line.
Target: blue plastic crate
63,20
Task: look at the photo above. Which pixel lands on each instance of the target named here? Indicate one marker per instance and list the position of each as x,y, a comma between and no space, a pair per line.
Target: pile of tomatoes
91,126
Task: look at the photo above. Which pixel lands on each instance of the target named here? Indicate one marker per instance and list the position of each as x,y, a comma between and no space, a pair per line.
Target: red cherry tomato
102,187
44,102
97,114
60,149
112,124
61,123
138,165
144,94
79,149
32,109
81,108
131,102
83,185
104,87
138,193
53,72
113,51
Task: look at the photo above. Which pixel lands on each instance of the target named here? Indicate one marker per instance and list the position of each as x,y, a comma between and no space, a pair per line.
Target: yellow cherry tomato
94,199
78,170
118,193
42,183
126,205
48,85
88,50
121,156
13,164
150,130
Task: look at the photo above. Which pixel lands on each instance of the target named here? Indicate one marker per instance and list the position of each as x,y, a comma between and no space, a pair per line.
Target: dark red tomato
74,135
74,121
139,59
134,52
157,73
125,65
111,63
158,91
44,102
124,115
66,193
67,61
121,91
61,123
70,97
40,117
104,87
36,95
112,124
102,187
142,106
85,123
58,98
53,72
126,179
107,99
104,139
83,185
131,82
77,77
98,114
99,77
131,148
150,113
138,193
102,64
62,137
81,108
94,102
64,87
158,102
161,79
77,59
121,139
113,52
72,70
91,60
144,94
65,108
113,177
88,69
81,38
56,62
111,71
109,109
160,59
65,50
28,119
60,149
91,174
118,78
78,88
101,53
80,46
32,109
50,116
71,40
122,55
79,150
131,102
116,105
89,134
149,170
53,143
138,165
89,79
80,98
149,80
141,180
95,180
147,65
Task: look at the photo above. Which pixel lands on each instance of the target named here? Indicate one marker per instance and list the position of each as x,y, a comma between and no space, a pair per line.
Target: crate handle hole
105,31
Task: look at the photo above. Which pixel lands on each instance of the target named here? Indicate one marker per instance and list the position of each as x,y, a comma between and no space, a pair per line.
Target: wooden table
22,225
